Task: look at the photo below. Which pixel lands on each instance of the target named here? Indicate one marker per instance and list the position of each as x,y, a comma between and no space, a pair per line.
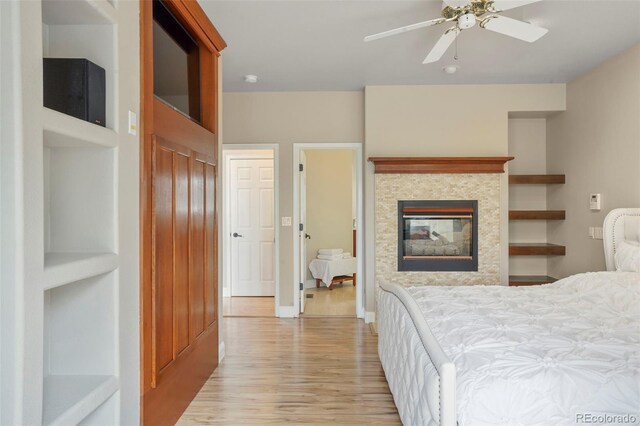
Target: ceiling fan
465,14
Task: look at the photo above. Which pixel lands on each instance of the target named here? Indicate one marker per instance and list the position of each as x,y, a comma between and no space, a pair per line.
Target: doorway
327,244
250,237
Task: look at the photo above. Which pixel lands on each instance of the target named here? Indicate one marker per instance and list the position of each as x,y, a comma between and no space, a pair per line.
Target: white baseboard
369,317
310,284
221,351
286,312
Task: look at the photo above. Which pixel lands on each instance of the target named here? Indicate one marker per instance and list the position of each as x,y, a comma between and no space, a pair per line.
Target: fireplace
438,235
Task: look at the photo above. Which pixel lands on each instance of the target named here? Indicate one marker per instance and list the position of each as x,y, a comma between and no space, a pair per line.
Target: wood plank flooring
248,307
341,301
313,371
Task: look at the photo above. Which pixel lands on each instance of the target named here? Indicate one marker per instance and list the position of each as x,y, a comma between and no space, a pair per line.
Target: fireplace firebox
438,235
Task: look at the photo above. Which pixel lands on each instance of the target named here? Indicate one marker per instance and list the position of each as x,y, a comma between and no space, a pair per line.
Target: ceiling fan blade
455,3
500,5
442,45
404,29
513,28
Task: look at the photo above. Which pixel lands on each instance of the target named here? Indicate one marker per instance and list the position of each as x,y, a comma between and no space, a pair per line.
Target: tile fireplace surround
458,178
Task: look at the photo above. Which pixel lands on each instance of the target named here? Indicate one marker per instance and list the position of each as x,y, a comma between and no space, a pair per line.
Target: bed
496,355
333,271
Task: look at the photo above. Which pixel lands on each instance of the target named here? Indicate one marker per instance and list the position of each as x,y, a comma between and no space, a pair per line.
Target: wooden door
252,227
179,293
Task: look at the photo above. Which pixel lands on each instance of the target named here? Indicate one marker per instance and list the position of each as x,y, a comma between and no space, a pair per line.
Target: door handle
236,235
307,236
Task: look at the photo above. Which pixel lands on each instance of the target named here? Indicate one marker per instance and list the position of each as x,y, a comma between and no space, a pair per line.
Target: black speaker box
75,87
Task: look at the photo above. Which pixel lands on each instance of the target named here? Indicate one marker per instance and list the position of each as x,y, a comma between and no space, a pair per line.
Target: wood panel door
179,293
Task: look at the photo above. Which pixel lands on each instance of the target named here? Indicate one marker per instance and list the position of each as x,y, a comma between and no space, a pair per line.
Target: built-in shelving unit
80,276
535,249
76,220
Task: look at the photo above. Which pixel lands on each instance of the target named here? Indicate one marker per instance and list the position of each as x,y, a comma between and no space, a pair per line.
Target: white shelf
78,12
65,268
64,131
70,398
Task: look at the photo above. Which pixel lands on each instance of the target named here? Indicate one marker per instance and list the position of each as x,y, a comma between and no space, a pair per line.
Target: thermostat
595,201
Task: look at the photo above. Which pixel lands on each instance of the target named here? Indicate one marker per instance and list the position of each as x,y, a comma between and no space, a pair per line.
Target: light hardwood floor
248,307
341,301
305,371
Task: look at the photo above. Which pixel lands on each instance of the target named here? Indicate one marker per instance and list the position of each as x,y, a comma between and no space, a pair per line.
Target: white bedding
523,356
327,269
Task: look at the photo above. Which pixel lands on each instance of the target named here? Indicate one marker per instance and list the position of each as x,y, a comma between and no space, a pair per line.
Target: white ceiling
317,45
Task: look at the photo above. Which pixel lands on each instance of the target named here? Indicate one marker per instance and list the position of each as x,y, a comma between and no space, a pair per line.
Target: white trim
357,149
287,312
226,239
369,317
221,351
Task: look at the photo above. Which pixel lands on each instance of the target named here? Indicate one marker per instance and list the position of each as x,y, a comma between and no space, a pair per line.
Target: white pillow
627,258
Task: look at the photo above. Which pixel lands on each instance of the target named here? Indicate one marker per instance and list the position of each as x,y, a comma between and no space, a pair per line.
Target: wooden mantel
394,165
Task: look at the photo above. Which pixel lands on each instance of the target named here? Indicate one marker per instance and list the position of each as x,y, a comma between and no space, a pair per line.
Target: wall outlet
286,221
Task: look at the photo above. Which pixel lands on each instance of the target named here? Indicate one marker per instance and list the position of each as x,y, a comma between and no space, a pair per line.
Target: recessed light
250,78
451,69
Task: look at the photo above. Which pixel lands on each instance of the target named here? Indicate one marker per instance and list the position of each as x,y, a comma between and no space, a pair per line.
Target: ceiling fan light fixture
466,21
451,69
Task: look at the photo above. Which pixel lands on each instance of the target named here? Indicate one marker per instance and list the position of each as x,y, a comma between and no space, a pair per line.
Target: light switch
286,221
133,123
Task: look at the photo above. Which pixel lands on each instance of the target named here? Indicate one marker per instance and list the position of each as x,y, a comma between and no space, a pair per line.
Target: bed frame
439,374
620,225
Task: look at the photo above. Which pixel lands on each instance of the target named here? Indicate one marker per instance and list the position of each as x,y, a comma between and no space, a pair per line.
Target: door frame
229,152
357,151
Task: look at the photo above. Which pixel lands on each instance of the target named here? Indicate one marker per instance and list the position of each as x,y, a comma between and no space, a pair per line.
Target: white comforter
326,270
540,355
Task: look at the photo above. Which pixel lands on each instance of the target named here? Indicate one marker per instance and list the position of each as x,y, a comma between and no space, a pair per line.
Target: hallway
304,371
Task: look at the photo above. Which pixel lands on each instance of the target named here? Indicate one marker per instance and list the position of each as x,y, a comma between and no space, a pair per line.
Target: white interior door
252,227
303,226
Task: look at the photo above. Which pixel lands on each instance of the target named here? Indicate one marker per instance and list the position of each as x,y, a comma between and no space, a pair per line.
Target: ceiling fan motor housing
466,21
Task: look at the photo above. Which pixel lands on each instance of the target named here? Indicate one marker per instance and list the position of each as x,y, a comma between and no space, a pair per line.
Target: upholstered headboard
620,225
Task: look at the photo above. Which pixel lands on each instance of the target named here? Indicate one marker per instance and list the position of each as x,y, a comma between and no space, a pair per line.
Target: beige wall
329,196
285,118
596,143
461,120
528,144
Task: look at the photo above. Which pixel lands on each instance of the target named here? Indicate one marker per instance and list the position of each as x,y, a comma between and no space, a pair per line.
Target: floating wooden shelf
430,165
536,214
536,179
525,280
536,249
